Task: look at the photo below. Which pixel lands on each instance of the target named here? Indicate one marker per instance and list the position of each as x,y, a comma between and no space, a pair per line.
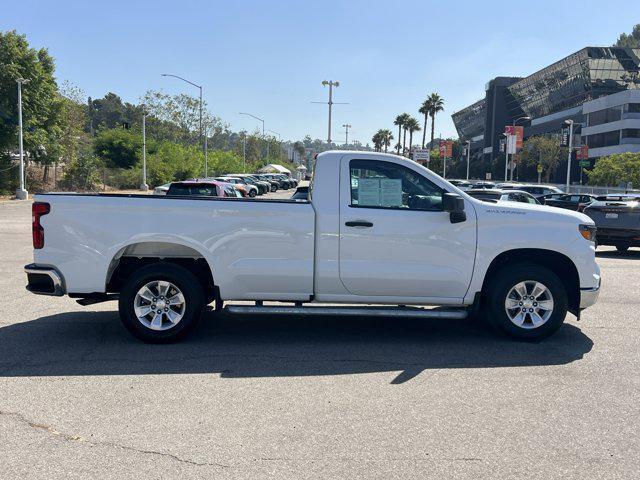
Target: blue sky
268,58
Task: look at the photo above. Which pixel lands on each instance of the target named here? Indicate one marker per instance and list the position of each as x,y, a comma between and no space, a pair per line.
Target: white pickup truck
380,235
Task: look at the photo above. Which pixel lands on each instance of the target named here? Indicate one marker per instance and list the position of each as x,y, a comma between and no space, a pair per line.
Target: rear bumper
43,280
589,296
617,236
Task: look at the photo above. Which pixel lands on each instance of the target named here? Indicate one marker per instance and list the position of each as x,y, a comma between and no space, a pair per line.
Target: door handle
359,223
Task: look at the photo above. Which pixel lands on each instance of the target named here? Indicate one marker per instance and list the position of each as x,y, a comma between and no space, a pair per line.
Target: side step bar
417,312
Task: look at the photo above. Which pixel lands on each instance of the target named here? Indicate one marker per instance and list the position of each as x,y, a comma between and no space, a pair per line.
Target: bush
118,147
82,174
8,175
616,169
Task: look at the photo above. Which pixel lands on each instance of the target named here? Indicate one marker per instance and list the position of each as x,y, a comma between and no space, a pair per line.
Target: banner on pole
446,148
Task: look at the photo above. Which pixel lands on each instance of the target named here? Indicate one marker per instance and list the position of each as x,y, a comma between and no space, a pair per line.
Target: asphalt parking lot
314,398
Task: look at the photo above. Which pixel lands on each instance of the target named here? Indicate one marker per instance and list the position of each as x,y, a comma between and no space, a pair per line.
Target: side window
531,200
378,184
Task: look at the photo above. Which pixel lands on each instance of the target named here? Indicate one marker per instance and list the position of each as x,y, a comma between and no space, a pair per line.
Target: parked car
617,218
274,184
576,202
206,188
461,184
161,189
263,187
283,181
536,190
479,185
495,195
246,190
391,233
266,185
302,191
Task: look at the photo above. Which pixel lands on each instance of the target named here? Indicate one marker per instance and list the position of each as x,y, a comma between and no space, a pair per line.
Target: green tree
436,104
377,141
412,126
399,122
425,109
616,169
386,136
543,151
631,40
41,104
118,147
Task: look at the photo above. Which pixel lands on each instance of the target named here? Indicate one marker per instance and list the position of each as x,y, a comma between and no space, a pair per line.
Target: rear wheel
274,188
160,303
526,301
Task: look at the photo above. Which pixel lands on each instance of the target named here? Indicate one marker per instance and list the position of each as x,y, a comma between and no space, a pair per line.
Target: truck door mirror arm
454,204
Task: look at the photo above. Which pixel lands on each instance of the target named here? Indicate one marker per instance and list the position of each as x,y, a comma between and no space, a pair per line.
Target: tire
170,328
274,188
252,193
504,287
622,248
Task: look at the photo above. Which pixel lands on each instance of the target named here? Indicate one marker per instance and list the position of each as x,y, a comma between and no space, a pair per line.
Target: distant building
597,87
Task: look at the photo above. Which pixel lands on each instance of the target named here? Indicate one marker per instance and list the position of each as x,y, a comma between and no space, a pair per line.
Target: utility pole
331,84
346,133
21,193
468,154
143,186
569,123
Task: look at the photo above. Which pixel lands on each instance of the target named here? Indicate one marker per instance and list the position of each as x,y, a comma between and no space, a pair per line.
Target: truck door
395,238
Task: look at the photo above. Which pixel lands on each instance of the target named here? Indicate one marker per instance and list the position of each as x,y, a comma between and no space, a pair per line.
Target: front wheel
160,303
252,193
526,301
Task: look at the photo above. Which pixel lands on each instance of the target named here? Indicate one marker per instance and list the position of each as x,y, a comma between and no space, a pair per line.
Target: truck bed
251,244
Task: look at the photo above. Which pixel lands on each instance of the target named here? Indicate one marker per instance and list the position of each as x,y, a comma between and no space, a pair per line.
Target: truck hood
539,212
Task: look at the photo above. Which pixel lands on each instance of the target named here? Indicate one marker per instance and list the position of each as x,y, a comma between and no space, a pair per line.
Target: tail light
38,209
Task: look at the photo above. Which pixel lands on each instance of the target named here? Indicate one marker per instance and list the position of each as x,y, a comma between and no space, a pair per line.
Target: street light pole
200,88
206,153
279,141
144,186
569,123
258,118
21,193
346,133
468,154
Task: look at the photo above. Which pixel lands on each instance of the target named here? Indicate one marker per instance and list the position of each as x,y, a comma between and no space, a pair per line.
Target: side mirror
454,204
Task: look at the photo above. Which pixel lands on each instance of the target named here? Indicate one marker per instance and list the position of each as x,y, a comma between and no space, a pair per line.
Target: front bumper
44,280
589,296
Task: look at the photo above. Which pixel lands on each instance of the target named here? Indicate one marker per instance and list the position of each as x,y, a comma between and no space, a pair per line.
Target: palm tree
399,121
386,136
377,141
425,108
437,105
412,125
